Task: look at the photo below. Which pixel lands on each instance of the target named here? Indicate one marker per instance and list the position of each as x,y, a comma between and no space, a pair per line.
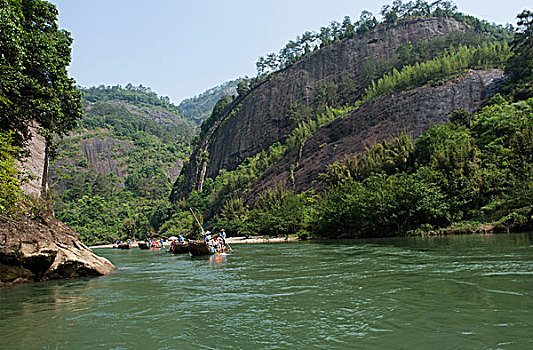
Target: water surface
462,292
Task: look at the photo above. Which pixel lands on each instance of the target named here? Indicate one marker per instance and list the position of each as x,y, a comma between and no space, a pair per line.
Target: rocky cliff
100,154
412,111
36,164
261,118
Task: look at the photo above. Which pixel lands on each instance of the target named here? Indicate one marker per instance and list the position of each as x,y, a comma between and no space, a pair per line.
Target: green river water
459,292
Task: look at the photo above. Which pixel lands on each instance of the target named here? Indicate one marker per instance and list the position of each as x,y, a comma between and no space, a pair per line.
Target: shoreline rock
32,251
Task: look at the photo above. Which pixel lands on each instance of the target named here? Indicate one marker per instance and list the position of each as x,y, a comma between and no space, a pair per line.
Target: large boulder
38,251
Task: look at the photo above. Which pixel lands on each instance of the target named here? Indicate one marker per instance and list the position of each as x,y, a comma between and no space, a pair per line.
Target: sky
181,48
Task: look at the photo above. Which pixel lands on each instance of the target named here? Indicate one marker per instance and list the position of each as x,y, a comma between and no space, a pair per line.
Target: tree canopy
520,64
34,58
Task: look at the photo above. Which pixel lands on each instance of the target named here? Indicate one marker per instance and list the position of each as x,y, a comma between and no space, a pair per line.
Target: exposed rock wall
261,119
99,154
36,163
32,251
411,111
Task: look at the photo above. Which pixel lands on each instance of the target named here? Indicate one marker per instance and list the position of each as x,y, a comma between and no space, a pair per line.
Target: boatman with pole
223,236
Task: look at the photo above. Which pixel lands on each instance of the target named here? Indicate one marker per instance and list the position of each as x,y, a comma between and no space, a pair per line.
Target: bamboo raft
198,248
179,248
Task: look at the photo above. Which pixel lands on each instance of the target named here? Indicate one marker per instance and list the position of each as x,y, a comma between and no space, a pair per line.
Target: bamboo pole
197,220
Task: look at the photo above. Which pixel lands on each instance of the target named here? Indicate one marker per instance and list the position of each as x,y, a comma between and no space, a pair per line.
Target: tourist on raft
223,236
215,245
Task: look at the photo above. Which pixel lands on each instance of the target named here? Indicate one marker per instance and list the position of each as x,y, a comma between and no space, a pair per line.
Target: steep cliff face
411,111
99,154
261,119
36,164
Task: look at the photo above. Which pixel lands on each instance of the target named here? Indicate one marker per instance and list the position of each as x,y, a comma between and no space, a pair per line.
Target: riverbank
229,240
259,239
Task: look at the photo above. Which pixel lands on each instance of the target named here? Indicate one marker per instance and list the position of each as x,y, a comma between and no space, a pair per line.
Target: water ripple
458,292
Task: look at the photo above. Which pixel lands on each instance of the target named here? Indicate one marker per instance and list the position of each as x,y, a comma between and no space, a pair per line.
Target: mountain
271,159
126,151
198,108
261,118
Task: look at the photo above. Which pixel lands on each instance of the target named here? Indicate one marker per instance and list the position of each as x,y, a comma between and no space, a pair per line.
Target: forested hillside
419,123
423,65
115,170
319,70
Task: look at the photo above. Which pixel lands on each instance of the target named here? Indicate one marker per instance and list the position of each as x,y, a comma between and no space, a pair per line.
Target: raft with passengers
151,244
179,245
210,245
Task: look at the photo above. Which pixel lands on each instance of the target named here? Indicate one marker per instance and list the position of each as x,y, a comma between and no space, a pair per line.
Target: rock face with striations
36,164
99,154
412,111
261,119
38,251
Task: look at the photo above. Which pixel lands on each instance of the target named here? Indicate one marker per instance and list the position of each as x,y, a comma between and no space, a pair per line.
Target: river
457,292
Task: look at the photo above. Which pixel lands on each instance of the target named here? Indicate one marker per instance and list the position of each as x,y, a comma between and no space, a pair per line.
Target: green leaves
33,70
281,212
479,165
444,66
520,64
10,177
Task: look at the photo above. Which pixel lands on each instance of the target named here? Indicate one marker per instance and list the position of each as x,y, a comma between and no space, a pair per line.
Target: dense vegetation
474,170
10,176
34,84
35,90
135,95
446,65
147,141
520,67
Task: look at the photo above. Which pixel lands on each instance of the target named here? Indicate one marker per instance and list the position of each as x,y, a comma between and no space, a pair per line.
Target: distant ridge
199,107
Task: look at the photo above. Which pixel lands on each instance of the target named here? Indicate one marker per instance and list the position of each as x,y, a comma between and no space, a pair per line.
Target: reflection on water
443,292
217,259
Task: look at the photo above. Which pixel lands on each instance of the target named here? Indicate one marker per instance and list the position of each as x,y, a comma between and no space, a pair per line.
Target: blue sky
181,48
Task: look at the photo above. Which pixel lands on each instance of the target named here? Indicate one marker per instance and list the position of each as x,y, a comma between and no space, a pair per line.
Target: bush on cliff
10,177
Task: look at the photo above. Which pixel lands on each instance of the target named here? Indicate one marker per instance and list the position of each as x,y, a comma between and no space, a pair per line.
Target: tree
33,70
366,22
129,227
520,64
348,29
242,88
